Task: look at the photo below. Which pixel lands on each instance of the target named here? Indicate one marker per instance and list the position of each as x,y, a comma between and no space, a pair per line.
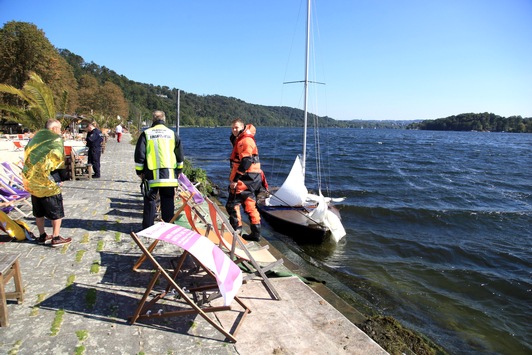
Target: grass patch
64,248
82,335
117,236
85,238
14,349
90,297
70,281
79,255
56,324
100,245
95,267
35,309
113,310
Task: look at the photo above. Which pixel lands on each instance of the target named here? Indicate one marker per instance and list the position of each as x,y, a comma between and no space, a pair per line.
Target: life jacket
160,157
245,146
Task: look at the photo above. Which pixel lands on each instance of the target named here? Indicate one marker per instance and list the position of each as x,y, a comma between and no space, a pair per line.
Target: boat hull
293,222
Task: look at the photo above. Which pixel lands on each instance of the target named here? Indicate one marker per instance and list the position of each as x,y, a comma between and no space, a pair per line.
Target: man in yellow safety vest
158,162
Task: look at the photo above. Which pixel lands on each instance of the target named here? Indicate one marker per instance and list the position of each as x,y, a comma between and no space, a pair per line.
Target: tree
23,49
38,102
88,94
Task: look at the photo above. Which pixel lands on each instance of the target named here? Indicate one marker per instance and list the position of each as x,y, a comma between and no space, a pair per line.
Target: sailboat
291,209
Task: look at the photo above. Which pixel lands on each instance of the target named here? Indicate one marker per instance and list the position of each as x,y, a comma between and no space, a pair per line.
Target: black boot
255,233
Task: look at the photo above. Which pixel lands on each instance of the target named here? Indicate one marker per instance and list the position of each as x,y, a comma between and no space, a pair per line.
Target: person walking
246,179
159,160
118,131
94,143
44,161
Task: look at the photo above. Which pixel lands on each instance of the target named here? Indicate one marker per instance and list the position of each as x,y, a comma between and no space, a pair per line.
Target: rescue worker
158,162
94,141
246,179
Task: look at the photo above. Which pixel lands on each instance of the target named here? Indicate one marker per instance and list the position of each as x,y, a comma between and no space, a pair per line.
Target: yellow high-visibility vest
160,145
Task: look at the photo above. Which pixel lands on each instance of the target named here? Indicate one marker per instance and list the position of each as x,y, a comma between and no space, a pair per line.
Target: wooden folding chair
188,193
255,258
217,265
261,259
152,246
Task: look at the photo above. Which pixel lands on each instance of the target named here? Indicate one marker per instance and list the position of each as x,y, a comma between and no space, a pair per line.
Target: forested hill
195,110
483,122
206,110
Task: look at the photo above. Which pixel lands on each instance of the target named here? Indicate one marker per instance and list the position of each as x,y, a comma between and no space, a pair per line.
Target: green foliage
90,297
485,122
198,176
23,49
39,102
56,324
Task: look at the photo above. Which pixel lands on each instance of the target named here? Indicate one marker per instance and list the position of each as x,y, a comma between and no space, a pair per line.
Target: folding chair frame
237,242
246,259
152,246
14,198
144,304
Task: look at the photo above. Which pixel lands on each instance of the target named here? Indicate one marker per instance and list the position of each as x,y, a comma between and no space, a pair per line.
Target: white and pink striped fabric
228,274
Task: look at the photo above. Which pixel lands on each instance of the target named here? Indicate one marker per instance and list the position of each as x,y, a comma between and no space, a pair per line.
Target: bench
9,269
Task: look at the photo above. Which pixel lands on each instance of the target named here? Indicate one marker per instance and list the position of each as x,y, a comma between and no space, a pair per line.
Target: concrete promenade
78,298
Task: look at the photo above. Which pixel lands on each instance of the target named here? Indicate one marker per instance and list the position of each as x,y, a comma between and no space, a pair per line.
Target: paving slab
79,298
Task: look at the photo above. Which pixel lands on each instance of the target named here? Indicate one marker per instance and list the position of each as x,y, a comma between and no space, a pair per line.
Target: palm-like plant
38,104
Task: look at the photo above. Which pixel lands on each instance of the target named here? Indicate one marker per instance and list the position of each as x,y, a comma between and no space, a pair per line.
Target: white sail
318,213
323,215
293,191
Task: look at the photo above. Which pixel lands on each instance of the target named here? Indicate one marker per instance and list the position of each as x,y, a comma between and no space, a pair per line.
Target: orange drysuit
246,172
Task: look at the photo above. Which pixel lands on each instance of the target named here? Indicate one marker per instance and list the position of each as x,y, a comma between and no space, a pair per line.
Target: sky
378,59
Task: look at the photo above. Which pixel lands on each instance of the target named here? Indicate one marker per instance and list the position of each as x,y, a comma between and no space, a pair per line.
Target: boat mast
307,56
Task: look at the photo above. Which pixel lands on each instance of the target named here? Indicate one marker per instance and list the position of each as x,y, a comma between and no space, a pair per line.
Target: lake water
438,226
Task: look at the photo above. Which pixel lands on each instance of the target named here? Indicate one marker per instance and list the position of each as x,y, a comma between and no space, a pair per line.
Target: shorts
50,207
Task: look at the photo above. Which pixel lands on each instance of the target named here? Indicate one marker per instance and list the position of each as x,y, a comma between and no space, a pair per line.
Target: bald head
159,116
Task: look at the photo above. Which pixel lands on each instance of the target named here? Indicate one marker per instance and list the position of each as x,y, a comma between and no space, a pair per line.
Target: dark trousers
166,195
94,159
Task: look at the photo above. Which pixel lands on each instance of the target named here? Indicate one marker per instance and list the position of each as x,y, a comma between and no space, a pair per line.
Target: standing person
118,131
159,161
246,179
43,159
94,143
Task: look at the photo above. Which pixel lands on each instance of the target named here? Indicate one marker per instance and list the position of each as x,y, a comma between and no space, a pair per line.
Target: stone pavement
78,298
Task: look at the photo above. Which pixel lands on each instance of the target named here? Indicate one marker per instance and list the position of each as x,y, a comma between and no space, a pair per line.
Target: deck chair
12,197
218,266
152,246
11,174
215,226
259,261
186,191
18,146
